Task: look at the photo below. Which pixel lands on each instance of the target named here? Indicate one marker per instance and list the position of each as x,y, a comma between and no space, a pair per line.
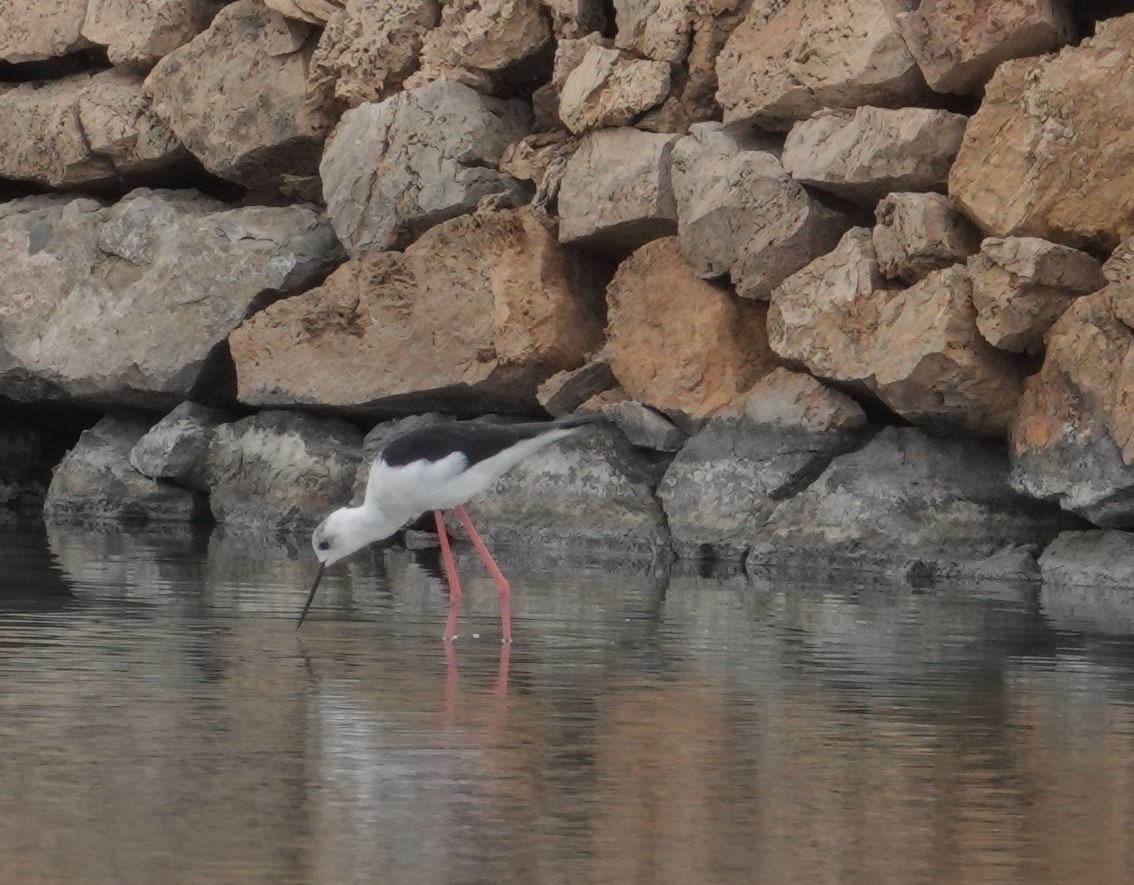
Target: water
162,720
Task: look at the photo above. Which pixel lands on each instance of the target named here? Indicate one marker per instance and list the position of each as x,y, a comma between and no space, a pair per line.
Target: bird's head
346,530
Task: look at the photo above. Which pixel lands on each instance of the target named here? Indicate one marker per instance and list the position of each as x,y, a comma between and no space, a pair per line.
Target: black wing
475,441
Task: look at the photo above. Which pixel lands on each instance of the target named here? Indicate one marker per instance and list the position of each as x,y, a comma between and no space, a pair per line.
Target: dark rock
565,391
645,427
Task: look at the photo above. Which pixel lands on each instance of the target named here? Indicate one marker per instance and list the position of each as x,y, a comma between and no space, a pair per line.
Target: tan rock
137,33
315,12
610,88
657,29
959,43
635,166
1048,152
367,50
713,23
739,213
481,37
571,19
478,312
263,135
1022,285
569,53
866,153
789,58
654,301
32,30
917,233
88,129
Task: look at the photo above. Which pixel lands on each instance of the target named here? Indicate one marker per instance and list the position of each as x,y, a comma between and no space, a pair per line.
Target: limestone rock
591,487
163,276
492,306
393,170
368,49
281,471
611,88
654,301
1073,440
739,213
137,33
835,318
635,166
1022,285
95,481
789,58
713,23
1048,152
1099,559
959,43
477,37
919,233
31,30
571,19
264,135
864,154
565,391
177,447
644,427
315,12
657,29
906,495
84,130
728,478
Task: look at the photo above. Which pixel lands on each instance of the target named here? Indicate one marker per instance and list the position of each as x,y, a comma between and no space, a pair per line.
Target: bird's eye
324,545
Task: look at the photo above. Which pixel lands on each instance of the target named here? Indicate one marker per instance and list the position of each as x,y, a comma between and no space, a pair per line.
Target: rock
789,58
591,488
541,159
478,37
492,305
163,275
1099,559
713,23
571,19
87,130
1022,285
657,29
959,43
177,447
1048,152
315,12
565,391
96,483
26,461
281,471
136,33
31,30
864,154
1073,441
835,318
739,213
644,427
264,135
611,88
654,301
919,233
635,166
903,496
368,50
390,172
729,477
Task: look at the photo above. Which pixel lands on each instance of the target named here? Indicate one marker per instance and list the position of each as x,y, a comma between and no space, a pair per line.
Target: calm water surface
162,720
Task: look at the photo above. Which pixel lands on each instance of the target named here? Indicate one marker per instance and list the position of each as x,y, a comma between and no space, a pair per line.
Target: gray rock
126,305
281,471
904,496
645,427
177,447
591,488
136,33
920,233
1103,559
95,482
740,214
864,154
394,169
635,166
565,391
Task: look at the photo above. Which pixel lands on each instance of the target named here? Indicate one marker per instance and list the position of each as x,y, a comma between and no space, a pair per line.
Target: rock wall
848,277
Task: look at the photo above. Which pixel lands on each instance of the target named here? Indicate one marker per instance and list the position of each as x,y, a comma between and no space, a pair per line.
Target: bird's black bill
311,595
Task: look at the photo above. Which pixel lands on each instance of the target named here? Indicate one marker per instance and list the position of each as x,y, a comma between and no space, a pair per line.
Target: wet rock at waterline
95,482
26,461
1101,558
163,275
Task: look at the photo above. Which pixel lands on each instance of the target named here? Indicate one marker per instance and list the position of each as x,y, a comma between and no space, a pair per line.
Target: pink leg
451,574
494,570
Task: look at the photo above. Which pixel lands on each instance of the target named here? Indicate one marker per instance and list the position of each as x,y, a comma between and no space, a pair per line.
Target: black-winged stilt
436,468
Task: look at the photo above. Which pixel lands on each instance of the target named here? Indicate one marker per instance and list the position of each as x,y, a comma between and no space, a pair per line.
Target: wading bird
435,468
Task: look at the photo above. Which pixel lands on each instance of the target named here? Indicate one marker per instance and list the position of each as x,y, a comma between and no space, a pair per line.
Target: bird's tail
567,422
